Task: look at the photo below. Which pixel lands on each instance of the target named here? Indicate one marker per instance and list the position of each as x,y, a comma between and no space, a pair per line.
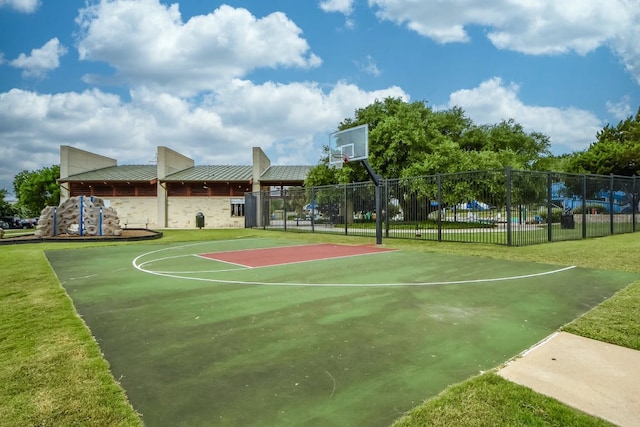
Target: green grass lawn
53,373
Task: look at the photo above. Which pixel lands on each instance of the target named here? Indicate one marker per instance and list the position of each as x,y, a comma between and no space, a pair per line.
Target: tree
19,179
527,148
411,139
6,208
559,163
615,151
399,134
322,173
37,189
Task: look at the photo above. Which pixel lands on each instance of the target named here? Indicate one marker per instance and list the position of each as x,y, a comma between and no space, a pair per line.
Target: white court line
164,259
172,248
167,273
223,262
230,251
241,282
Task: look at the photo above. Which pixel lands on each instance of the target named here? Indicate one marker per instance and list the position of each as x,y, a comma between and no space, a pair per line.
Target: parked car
4,225
12,222
28,222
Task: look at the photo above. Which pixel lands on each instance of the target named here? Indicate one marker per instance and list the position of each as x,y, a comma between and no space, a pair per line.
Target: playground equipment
606,200
80,216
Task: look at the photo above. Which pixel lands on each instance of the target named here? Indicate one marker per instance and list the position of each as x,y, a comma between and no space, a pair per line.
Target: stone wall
142,212
604,218
182,212
136,212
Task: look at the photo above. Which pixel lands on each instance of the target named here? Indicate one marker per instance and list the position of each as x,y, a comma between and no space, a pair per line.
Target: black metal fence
505,207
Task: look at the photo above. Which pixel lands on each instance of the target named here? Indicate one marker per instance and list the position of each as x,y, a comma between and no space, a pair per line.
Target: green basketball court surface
255,332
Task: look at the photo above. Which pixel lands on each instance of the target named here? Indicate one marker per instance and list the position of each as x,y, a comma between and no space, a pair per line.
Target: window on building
237,207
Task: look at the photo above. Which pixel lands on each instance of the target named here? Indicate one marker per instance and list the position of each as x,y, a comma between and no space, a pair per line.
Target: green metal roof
213,173
275,174
285,173
117,173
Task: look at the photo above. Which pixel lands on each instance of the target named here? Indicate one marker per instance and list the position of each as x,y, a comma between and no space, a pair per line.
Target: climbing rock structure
79,216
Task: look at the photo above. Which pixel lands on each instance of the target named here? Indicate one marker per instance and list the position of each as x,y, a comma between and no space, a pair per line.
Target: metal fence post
584,206
508,205
439,180
265,204
378,190
634,206
313,209
386,203
345,204
611,196
284,209
549,207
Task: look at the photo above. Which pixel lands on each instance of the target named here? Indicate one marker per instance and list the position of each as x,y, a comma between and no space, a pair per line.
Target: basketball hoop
349,145
338,159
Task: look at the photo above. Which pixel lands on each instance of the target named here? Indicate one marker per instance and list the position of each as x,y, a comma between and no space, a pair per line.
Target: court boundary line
134,261
244,267
270,247
258,283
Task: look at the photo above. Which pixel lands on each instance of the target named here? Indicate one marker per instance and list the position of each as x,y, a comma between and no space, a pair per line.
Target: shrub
556,214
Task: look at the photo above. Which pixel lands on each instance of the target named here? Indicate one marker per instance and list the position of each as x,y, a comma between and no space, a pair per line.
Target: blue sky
211,79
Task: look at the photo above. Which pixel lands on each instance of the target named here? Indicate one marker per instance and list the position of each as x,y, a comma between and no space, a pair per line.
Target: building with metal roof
171,193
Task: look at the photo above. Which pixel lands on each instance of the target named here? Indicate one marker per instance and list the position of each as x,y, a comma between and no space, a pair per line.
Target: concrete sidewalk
597,378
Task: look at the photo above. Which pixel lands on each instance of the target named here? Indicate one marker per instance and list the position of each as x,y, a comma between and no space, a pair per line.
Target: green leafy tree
615,151
411,139
37,189
6,208
19,179
527,148
322,173
399,132
559,163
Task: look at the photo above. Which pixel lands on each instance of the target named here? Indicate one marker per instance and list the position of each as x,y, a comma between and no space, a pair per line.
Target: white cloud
187,57
531,27
626,45
620,110
349,24
293,110
369,66
341,6
41,60
291,122
25,6
569,129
